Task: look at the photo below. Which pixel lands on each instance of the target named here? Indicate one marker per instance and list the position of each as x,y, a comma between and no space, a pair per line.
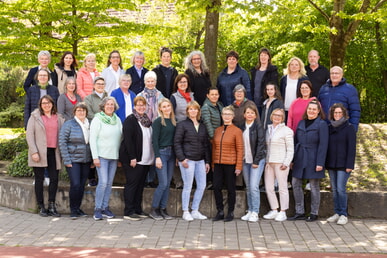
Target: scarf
337,123
151,99
143,119
109,120
43,87
185,95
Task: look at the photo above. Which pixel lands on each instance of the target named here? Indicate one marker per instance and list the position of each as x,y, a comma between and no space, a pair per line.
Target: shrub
9,148
19,166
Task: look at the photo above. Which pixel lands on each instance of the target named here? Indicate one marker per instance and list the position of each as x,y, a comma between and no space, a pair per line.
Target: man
317,74
337,90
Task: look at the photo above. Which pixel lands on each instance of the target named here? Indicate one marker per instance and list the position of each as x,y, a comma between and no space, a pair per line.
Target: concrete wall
19,194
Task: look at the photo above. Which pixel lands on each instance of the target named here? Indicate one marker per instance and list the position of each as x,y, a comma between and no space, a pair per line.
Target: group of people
146,121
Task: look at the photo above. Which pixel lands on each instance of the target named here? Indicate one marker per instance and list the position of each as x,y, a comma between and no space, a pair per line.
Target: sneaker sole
108,217
132,219
97,218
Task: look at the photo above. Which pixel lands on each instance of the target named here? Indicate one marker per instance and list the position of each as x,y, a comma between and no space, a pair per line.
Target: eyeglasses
337,113
100,84
183,82
227,114
46,103
42,75
277,115
80,110
115,57
196,59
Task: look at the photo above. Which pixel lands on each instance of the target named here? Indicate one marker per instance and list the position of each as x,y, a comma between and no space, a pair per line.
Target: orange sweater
227,146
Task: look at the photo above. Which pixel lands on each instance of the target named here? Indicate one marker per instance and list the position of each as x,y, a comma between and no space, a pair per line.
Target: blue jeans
78,175
252,176
161,194
106,173
195,169
339,180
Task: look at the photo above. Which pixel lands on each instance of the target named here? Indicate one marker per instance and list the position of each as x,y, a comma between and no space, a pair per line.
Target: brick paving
365,236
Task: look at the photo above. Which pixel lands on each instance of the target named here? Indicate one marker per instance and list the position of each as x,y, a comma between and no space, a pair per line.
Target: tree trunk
211,38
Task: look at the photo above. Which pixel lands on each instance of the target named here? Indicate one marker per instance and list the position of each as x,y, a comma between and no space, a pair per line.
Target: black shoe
219,216
52,210
81,213
92,182
74,215
142,214
165,215
229,217
133,217
155,214
312,217
297,216
42,211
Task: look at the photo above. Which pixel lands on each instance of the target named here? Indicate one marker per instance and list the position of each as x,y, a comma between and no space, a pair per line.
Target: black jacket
190,144
138,84
131,145
31,81
277,103
257,141
161,81
271,75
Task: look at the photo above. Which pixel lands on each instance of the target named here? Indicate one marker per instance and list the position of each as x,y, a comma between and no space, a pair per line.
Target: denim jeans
164,175
106,173
78,175
195,169
252,177
339,179
298,193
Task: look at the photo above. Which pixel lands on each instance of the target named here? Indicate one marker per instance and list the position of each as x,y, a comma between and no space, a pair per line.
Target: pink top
296,111
51,126
85,82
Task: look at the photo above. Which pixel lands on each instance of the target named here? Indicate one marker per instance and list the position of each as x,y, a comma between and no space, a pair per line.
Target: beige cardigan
280,147
36,140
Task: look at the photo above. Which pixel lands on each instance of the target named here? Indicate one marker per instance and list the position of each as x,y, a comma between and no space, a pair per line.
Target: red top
51,126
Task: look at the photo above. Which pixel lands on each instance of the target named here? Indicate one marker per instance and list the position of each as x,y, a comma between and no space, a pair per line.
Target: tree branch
320,10
378,5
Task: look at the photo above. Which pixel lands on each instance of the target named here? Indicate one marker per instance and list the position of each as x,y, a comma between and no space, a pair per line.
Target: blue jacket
72,145
31,81
227,82
342,147
138,84
344,93
311,146
119,96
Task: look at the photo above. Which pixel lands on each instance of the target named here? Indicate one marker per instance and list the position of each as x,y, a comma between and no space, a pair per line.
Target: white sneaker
271,214
253,217
197,215
342,220
307,187
46,181
333,218
247,216
281,216
187,216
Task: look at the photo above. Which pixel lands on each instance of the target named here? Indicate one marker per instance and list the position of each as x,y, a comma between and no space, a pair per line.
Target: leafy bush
9,148
12,116
19,166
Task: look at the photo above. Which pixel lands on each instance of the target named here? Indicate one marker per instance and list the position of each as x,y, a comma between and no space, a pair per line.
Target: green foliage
10,148
19,166
12,116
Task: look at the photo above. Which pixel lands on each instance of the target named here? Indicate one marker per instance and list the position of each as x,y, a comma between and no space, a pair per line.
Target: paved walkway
19,228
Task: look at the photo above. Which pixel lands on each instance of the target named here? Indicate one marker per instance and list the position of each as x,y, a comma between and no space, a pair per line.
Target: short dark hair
165,49
232,53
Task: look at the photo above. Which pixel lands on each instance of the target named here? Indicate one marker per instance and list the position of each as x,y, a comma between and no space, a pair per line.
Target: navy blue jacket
344,93
138,84
311,145
31,81
341,147
72,145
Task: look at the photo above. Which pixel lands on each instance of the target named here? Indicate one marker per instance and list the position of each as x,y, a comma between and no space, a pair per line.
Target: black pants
226,174
134,187
39,178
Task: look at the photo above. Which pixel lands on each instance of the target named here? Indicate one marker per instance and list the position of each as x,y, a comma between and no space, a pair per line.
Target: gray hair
150,74
122,76
44,53
189,65
239,87
136,54
105,100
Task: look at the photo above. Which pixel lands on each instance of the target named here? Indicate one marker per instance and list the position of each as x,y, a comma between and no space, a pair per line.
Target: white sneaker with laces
247,216
333,218
271,214
342,220
281,216
197,215
187,216
307,187
253,217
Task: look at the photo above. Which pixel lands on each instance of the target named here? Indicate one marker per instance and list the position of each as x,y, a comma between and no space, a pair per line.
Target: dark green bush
19,166
9,148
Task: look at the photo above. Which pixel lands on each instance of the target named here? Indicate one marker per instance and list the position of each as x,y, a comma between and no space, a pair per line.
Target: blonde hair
302,71
196,105
88,56
173,120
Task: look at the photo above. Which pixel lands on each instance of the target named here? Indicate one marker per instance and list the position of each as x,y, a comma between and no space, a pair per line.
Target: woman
162,139
239,105
166,74
340,159
44,59
273,100
227,157
193,153
86,76
280,150
212,111
136,156
298,106
253,161
34,93
105,139
231,76
151,95
181,96
124,97
76,155
43,153
290,83
199,75
64,69
311,144
137,72
68,99
263,73
113,71
94,100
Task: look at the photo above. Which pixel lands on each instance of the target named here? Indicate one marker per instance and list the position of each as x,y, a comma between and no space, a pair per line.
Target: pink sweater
296,111
85,82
